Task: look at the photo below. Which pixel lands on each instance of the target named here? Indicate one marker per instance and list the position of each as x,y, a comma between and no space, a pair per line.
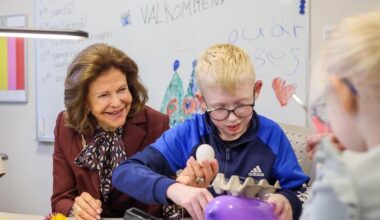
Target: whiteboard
156,33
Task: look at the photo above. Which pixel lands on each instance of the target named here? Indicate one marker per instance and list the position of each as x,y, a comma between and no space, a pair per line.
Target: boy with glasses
245,144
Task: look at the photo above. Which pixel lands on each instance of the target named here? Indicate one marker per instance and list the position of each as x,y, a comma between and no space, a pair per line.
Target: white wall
26,188
330,12
326,13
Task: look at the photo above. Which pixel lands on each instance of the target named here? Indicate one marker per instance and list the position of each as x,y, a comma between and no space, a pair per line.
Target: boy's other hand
282,208
193,170
194,200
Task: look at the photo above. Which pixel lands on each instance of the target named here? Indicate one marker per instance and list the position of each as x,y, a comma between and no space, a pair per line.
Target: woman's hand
282,208
195,171
194,200
86,207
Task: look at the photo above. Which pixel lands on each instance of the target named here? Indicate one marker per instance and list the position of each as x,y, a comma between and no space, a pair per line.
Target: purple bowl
239,208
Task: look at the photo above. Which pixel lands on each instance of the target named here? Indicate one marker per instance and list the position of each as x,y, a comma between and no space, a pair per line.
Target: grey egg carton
249,188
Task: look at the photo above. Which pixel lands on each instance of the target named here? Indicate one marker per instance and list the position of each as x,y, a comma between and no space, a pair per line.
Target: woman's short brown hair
89,64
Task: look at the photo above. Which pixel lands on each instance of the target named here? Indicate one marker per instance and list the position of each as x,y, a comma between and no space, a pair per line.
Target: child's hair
224,65
353,51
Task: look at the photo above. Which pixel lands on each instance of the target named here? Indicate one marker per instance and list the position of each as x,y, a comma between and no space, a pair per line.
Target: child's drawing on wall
172,102
176,105
190,104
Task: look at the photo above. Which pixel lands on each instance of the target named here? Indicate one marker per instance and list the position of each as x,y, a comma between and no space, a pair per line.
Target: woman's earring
84,144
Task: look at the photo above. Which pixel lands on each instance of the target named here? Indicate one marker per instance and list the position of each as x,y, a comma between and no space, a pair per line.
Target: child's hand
193,170
313,141
194,200
334,140
282,208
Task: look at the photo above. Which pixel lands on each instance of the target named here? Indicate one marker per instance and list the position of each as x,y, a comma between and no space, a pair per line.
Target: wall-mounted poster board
165,36
12,62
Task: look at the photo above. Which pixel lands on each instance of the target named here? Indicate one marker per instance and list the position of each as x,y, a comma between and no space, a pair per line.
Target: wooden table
15,216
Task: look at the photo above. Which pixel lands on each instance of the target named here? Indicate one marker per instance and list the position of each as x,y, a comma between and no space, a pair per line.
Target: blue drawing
302,7
176,65
125,19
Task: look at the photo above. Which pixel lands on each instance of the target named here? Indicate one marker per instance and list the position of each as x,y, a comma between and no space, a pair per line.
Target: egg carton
249,188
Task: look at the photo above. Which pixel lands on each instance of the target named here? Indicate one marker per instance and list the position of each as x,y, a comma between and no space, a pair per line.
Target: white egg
204,151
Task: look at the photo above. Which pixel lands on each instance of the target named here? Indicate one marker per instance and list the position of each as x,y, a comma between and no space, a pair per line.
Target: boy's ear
201,101
346,98
258,86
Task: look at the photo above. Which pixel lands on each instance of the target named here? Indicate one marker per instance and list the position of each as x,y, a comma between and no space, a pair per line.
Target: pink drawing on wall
283,92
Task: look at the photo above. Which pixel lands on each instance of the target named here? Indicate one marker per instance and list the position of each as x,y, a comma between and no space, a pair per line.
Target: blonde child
348,180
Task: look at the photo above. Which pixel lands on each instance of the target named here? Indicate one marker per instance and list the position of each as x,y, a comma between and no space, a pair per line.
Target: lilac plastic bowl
239,208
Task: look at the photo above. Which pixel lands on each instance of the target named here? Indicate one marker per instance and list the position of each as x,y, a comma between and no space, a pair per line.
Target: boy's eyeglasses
318,109
241,111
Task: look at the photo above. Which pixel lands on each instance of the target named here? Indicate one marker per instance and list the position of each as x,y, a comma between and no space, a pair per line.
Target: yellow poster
3,64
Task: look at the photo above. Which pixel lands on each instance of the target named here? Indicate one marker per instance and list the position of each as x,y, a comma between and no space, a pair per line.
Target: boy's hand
194,200
282,208
86,207
207,170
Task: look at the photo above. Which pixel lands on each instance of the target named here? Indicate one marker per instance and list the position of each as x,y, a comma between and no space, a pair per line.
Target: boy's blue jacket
262,152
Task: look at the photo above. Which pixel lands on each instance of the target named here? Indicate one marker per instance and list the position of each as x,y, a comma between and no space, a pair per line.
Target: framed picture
12,62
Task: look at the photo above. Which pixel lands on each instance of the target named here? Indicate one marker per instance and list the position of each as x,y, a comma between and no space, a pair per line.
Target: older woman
105,122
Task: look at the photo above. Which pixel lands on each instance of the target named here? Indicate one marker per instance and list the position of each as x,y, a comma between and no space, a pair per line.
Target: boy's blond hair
224,65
